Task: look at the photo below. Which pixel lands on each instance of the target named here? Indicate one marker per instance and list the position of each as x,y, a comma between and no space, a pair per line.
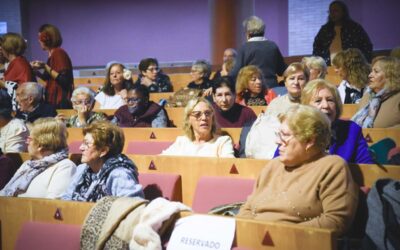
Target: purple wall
96,32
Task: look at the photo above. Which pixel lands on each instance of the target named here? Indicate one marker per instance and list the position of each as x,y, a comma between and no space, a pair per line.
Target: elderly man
260,52
228,58
31,104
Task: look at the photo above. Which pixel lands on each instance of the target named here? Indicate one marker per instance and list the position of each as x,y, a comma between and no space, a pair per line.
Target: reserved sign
202,232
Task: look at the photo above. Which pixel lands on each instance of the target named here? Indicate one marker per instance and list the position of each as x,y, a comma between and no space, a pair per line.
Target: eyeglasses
199,114
156,69
87,144
284,138
82,102
133,100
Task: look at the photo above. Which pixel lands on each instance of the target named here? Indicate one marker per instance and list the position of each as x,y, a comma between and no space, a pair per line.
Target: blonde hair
187,126
13,44
316,62
391,68
49,134
307,124
312,88
106,134
244,76
295,67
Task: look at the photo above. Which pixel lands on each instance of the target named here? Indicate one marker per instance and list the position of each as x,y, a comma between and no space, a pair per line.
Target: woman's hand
37,65
207,92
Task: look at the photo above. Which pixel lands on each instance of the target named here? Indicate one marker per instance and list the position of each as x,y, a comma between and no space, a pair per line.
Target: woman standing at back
57,70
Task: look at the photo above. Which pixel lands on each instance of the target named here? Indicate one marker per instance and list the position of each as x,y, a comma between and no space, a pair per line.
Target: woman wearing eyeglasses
304,185
151,76
140,111
200,137
49,171
82,102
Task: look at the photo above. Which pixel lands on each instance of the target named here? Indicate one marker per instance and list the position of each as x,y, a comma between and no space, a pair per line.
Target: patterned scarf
92,186
365,117
29,170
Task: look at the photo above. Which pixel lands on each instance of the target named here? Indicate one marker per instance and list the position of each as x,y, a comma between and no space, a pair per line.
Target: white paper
202,232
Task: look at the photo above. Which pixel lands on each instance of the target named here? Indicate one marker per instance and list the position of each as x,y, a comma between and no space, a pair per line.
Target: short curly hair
244,76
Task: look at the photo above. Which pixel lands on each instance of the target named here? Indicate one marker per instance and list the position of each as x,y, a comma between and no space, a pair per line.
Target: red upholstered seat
156,185
48,236
74,147
214,191
147,147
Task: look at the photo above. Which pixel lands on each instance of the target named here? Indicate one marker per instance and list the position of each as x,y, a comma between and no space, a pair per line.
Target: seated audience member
303,185
296,77
18,70
57,71
228,62
151,76
395,52
104,170
82,102
200,73
49,172
228,113
13,131
339,33
261,52
140,111
316,66
380,105
200,137
30,103
347,139
118,80
353,69
250,89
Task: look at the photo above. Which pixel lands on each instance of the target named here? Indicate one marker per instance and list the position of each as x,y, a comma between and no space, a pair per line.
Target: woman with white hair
316,65
82,102
260,52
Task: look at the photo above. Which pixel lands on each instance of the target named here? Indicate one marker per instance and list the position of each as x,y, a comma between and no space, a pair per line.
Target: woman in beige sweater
304,185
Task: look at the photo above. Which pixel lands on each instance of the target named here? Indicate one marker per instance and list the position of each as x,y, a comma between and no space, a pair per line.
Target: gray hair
316,62
254,26
204,66
33,89
83,90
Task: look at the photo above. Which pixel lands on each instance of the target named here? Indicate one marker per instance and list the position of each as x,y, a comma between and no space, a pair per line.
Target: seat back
74,147
155,185
7,170
48,236
214,191
147,147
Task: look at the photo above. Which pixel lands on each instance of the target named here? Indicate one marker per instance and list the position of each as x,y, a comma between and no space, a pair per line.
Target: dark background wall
98,31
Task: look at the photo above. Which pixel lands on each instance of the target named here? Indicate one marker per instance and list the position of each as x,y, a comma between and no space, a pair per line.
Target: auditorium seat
74,147
48,236
147,147
214,191
155,185
7,170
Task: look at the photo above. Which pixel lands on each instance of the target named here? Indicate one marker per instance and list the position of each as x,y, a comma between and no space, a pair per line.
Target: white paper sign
203,232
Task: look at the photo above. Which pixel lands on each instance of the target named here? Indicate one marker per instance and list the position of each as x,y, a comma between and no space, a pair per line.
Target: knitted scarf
365,116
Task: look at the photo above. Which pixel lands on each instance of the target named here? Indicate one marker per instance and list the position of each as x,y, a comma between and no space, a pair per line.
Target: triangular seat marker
152,166
152,135
267,241
234,170
368,138
58,215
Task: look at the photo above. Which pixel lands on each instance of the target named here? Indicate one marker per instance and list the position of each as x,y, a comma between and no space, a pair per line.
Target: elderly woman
140,111
18,70
118,80
200,137
82,102
304,185
29,97
250,89
151,76
316,65
353,69
347,139
228,113
104,170
13,131
200,73
57,70
296,77
380,105
49,172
